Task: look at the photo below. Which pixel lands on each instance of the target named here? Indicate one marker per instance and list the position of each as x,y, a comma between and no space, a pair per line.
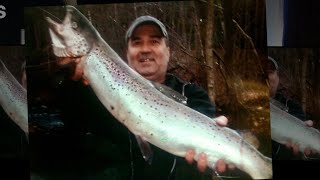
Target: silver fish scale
13,98
161,120
285,127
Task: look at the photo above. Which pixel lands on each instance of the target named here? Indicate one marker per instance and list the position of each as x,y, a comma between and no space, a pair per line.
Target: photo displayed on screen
13,103
294,107
131,91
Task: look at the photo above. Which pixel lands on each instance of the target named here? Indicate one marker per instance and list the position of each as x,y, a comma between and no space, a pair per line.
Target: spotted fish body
144,110
13,98
298,132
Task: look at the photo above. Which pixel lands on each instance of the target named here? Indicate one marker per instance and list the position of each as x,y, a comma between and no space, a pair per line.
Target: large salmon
285,127
13,98
143,109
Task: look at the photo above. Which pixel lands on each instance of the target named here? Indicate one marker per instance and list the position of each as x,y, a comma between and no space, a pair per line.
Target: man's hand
221,166
295,147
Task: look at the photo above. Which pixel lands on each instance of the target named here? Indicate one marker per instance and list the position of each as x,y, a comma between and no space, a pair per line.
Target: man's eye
135,42
155,41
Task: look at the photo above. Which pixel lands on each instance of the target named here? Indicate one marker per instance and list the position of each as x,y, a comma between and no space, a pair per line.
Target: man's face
148,53
273,79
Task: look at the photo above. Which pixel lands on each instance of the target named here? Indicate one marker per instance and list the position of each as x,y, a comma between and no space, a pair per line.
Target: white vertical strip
22,37
275,22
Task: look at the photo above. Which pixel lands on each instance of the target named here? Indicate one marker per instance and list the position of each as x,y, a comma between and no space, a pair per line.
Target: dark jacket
198,98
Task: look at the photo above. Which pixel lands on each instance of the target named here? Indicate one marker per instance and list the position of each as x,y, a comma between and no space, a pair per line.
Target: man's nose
145,47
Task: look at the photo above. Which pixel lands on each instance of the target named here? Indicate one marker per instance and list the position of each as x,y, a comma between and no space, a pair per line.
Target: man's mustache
146,56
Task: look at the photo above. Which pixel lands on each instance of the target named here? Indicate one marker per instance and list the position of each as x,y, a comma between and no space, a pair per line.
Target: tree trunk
135,10
197,31
316,88
182,24
304,70
228,43
208,50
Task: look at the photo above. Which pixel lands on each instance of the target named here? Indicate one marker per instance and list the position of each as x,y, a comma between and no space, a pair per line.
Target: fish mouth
56,31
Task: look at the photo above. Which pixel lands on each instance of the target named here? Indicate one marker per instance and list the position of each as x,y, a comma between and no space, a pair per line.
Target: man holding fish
149,118
293,108
148,53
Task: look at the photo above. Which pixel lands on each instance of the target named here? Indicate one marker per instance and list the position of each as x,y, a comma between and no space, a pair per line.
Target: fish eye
74,25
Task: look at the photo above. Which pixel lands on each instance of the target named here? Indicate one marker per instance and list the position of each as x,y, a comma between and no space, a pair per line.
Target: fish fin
279,105
249,137
170,93
145,149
